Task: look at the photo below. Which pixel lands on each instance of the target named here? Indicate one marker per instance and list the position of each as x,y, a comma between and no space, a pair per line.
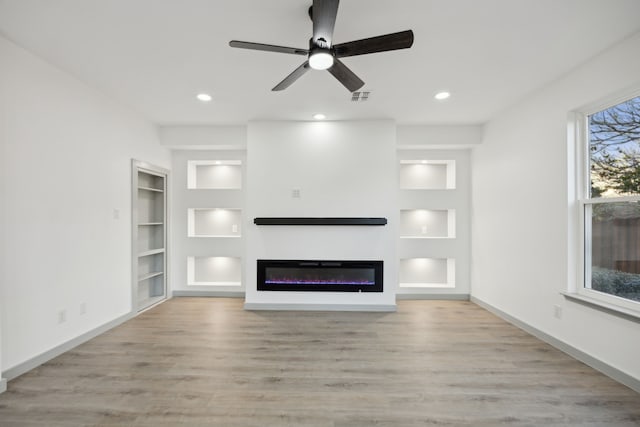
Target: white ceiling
156,55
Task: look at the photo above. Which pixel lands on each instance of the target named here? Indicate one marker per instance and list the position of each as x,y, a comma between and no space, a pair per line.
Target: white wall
204,137
434,137
523,239
342,170
66,167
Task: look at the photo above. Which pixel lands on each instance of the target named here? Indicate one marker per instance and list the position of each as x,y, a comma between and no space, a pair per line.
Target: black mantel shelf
319,221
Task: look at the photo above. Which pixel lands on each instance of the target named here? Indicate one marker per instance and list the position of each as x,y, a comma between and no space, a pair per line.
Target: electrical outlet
295,193
62,316
557,312
83,308
116,214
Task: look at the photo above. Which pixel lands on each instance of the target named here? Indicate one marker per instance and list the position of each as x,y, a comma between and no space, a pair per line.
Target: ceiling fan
323,54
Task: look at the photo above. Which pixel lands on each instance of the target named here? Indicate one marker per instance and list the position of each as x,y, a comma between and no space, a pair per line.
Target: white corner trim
597,364
3,385
321,307
36,361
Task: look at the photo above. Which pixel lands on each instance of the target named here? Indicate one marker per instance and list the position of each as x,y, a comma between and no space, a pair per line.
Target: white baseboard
216,294
36,361
3,385
320,307
451,297
597,364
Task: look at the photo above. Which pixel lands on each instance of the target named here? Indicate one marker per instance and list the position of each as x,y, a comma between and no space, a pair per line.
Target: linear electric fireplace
319,276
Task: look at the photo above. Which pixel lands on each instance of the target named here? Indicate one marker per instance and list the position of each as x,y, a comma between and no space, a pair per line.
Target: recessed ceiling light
442,95
204,97
319,116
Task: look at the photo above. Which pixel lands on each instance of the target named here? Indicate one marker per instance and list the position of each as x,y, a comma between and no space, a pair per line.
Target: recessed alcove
427,174
214,222
427,223
214,271
427,273
214,174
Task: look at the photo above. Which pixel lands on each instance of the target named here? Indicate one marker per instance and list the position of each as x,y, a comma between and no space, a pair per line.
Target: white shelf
151,252
150,276
214,271
427,174
150,266
157,190
141,224
214,174
427,273
150,181
427,224
214,222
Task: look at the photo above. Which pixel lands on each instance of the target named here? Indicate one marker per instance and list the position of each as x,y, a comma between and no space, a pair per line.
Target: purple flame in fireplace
315,276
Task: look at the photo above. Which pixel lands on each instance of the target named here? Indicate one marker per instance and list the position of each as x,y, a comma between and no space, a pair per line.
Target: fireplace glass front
320,276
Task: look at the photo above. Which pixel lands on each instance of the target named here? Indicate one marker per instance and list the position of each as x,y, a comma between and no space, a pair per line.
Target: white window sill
613,309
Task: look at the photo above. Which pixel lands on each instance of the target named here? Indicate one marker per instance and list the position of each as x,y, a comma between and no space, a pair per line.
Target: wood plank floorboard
207,362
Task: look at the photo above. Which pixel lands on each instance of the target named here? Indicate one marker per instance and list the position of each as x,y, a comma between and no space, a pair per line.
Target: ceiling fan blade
324,19
394,41
268,47
295,75
345,76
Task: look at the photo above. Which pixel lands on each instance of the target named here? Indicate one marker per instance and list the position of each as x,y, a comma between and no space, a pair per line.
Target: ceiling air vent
360,96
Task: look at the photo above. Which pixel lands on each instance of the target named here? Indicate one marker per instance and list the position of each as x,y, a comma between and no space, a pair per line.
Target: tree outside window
614,211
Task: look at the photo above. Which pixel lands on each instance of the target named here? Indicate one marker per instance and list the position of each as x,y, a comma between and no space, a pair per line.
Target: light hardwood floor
206,361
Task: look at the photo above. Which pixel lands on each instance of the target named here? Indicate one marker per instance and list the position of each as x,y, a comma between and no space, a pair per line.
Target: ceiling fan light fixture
320,59
441,96
204,97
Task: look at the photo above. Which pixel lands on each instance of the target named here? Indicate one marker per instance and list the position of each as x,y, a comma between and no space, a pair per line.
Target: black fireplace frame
263,264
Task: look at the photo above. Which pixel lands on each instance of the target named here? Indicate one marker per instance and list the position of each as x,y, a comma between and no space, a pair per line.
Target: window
611,204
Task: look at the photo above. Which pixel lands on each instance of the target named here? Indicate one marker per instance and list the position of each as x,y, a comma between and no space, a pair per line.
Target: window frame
585,202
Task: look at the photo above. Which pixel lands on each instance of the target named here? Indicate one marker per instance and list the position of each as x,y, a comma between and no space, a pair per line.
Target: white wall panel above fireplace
328,169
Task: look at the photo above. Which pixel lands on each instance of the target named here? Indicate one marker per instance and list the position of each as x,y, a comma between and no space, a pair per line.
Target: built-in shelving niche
214,174
427,174
149,235
428,224
427,273
214,222
214,271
